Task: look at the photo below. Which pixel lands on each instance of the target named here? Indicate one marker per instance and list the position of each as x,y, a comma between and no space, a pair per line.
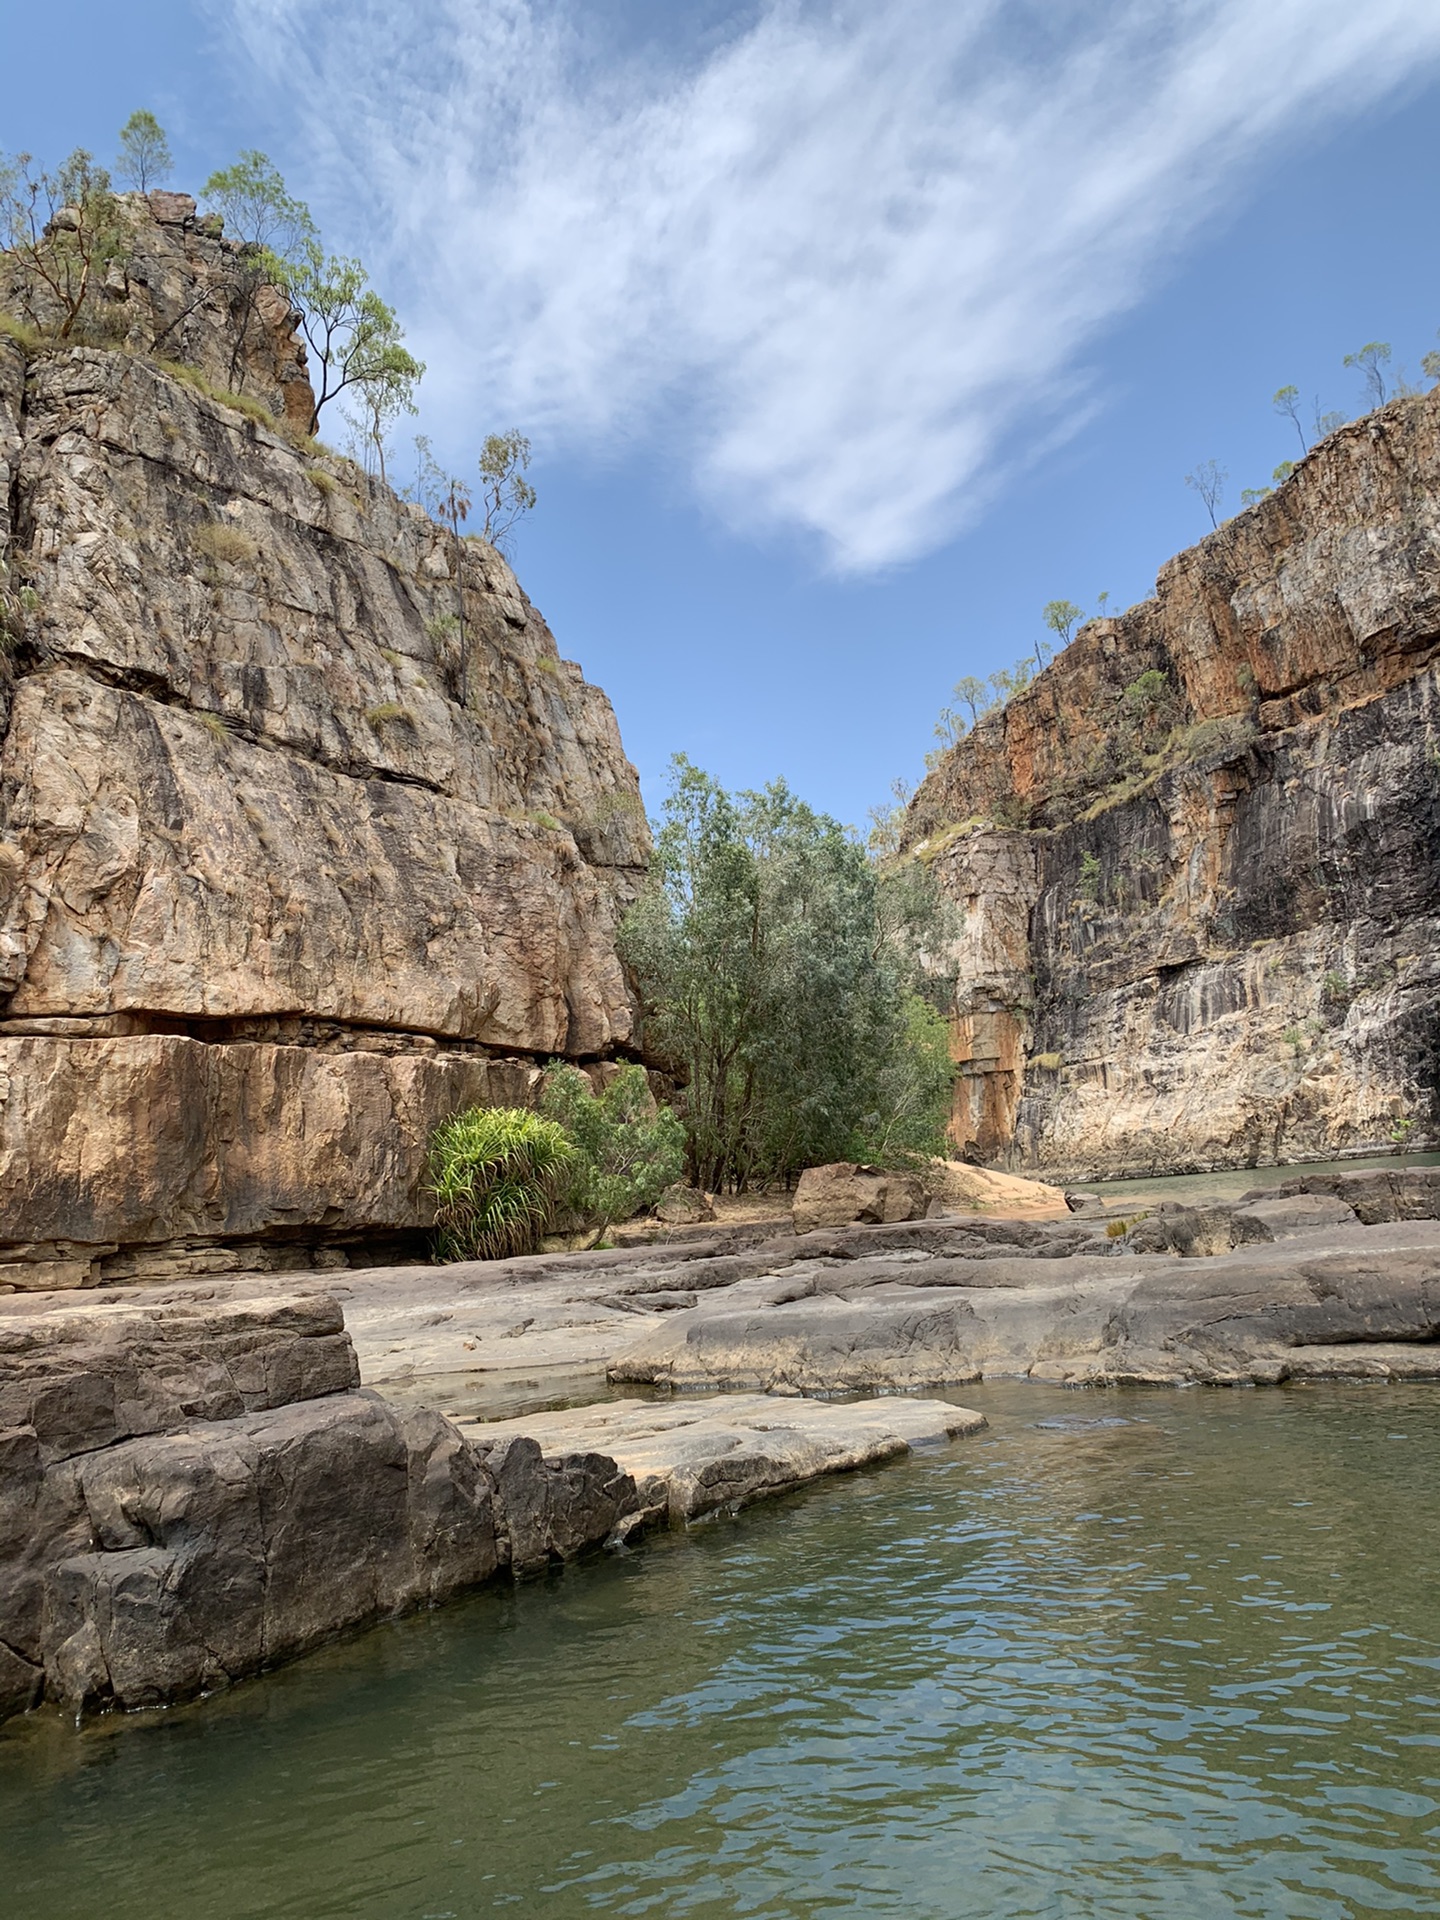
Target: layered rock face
191,1494
1200,854
308,837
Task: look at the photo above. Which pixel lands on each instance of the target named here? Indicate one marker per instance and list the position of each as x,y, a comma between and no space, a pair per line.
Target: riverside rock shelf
201,1481
715,1453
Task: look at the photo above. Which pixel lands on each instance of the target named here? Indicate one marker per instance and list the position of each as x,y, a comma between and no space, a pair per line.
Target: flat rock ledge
191,1492
708,1454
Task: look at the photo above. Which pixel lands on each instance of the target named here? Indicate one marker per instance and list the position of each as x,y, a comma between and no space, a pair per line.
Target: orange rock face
307,834
1200,854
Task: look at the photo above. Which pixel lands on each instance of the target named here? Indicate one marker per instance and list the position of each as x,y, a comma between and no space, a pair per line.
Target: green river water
1165,1655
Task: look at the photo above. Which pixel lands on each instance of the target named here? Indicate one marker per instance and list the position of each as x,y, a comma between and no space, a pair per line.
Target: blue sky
847,337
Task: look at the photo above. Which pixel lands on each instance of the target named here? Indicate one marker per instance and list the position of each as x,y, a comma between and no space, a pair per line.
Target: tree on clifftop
257,210
1208,480
355,338
63,233
1371,360
144,158
505,493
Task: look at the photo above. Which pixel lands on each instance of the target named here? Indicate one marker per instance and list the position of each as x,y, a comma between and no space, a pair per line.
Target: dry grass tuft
231,546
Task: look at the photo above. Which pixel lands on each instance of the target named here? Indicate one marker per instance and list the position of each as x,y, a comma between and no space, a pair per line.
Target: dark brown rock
556,1509
189,1496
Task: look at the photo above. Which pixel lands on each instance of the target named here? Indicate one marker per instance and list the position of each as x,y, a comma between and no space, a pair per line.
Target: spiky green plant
494,1172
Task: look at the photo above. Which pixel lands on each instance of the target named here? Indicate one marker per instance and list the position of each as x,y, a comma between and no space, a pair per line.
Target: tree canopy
790,1004
353,335
144,158
63,233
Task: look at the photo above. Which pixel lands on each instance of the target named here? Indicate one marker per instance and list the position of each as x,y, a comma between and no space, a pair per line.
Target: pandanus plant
495,1172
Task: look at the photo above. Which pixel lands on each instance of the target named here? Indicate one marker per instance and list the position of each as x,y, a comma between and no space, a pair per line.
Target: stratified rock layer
307,835
1217,946
189,1494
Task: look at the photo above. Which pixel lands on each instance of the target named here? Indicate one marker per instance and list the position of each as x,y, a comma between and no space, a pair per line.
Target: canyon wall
1199,856
308,836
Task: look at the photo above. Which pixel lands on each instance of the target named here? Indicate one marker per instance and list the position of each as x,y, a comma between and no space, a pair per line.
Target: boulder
845,1193
551,1509
190,1493
1303,1213
682,1206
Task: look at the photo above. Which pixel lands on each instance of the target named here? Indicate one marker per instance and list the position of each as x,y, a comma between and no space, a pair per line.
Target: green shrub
627,1150
389,710
1226,735
495,1172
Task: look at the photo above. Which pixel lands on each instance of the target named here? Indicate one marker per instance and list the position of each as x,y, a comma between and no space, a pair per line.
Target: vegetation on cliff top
65,233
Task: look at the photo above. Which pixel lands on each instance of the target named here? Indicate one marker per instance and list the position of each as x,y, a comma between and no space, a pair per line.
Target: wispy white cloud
842,262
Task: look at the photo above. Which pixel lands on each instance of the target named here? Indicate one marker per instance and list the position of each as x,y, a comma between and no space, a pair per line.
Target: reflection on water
1171,1655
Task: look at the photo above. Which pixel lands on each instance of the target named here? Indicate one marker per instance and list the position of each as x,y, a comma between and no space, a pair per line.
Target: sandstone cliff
1200,854
307,834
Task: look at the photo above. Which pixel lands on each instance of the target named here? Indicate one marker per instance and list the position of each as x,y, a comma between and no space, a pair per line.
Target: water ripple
1155,1658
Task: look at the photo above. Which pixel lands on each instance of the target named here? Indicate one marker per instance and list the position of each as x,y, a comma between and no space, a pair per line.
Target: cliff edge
308,836
1199,855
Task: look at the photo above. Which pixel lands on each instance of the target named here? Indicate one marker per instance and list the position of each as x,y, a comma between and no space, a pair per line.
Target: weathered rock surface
1370,1307
192,1492
307,835
843,1193
186,298
698,1456
1219,946
871,1308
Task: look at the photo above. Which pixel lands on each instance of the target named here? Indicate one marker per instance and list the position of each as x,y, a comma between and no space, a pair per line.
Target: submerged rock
699,1456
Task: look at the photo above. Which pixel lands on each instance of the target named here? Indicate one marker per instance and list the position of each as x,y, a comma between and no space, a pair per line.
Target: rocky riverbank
193,1491
196,1484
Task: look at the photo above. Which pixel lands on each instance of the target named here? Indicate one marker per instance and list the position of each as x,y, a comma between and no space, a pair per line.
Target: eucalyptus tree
786,1002
144,158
